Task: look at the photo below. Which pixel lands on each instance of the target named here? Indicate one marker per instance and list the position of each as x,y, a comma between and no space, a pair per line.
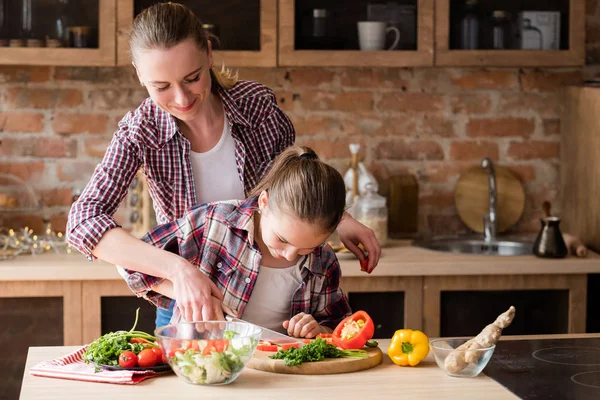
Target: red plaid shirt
219,239
149,138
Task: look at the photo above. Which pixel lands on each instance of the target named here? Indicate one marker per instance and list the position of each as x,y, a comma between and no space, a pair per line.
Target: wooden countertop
387,380
398,259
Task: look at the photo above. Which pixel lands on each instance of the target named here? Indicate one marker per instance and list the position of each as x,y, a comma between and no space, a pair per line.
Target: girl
267,254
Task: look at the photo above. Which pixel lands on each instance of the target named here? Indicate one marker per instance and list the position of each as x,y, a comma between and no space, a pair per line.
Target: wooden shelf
574,56
265,57
288,56
104,55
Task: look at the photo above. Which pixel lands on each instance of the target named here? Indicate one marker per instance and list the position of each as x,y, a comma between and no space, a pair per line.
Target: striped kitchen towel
72,367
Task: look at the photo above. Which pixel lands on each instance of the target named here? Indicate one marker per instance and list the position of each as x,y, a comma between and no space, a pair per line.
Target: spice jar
373,213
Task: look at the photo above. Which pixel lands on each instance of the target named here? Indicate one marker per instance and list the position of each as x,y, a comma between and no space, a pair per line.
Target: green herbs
106,349
317,350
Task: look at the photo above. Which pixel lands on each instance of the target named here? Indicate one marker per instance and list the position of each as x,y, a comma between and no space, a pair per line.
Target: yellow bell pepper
408,347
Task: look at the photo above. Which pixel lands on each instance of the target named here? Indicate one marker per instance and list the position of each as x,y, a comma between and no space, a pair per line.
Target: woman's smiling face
178,79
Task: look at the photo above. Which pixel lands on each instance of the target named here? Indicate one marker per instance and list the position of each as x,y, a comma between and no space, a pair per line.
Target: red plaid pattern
219,239
149,138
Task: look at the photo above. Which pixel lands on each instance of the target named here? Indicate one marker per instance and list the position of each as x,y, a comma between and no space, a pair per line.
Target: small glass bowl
479,358
209,352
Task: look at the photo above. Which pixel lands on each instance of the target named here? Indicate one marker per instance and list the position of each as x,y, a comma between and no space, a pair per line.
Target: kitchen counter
387,380
426,381
398,259
421,275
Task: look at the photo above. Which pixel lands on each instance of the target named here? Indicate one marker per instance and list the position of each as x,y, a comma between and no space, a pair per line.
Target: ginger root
465,354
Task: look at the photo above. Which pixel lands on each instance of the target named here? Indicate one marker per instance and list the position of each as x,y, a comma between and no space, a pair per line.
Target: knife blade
269,335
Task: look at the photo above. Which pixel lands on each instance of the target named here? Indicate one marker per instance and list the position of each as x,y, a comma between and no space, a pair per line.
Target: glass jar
373,212
500,30
469,27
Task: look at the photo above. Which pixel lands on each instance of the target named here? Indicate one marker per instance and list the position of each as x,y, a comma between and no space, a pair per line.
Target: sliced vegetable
354,331
267,347
408,347
289,346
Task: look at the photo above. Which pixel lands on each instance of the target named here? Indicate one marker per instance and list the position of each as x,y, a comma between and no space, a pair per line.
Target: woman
201,136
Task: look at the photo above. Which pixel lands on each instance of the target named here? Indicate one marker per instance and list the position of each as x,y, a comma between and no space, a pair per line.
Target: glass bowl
209,352
474,360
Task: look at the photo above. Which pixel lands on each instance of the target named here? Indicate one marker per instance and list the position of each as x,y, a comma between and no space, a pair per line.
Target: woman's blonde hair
165,25
299,182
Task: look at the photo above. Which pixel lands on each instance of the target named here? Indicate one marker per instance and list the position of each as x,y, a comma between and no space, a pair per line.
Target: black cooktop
548,369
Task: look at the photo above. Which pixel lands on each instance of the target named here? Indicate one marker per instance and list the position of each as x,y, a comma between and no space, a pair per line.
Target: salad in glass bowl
209,352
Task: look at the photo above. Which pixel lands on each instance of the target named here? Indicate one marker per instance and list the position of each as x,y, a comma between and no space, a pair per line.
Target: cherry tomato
128,359
147,358
138,340
160,358
364,264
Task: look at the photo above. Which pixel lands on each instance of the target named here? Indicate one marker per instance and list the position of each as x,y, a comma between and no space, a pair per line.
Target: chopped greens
317,350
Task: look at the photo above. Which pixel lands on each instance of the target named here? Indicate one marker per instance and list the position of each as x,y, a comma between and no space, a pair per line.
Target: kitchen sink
477,245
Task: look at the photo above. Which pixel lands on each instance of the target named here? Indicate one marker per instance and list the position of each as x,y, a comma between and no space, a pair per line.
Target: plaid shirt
218,238
149,138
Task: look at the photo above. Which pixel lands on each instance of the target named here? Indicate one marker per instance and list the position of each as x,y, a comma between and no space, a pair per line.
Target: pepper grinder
549,242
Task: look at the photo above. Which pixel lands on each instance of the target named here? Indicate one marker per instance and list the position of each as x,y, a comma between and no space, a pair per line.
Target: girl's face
285,235
177,79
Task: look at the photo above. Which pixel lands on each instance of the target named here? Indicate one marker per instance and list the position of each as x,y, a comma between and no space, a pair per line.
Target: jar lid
370,199
319,13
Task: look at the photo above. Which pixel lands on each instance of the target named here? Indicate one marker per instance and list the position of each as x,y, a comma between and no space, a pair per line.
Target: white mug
371,35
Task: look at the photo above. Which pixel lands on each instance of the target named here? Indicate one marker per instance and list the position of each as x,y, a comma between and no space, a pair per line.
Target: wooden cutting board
262,362
472,199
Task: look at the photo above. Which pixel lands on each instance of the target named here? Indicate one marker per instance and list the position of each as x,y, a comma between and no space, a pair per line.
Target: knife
269,335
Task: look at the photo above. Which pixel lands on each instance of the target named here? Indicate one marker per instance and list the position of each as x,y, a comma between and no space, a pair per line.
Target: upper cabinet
246,29
502,33
355,33
337,33
57,32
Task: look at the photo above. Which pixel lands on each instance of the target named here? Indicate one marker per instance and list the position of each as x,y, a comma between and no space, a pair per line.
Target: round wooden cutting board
262,362
472,198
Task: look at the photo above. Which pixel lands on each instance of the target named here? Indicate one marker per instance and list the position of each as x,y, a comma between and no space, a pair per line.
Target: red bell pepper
354,331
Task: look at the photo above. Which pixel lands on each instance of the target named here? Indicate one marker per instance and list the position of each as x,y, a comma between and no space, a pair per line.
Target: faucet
489,221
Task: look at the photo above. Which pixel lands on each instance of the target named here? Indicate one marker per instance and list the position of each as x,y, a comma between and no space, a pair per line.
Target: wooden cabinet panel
466,313
572,51
32,321
103,55
386,309
249,27
290,55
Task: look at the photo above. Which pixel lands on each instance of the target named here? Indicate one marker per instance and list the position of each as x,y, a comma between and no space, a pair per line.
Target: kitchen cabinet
466,313
35,31
301,43
35,313
386,309
452,301
247,29
449,52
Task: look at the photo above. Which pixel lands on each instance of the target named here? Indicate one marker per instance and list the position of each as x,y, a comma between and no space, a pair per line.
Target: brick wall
432,122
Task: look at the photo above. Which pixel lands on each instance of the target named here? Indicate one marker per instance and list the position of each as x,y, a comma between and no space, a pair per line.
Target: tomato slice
289,346
217,346
264,347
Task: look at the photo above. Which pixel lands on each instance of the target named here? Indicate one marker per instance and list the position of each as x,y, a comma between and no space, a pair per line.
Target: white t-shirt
215,171
270,302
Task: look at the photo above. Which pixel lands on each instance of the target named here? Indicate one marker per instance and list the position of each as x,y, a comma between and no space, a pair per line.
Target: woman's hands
198,298
352,233
304,325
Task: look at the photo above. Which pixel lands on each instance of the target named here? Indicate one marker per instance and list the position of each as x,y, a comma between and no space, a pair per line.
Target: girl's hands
198,298
304,325
351,233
